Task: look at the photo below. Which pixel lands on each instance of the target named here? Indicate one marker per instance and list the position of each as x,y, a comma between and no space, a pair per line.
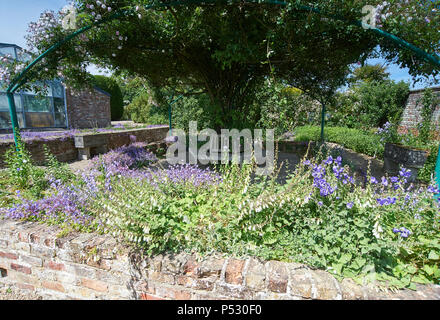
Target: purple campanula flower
394,179
329,160
349,205
338,160
404,233
405,173
386,201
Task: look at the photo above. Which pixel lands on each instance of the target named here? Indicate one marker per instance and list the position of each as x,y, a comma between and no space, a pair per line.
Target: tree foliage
226,49
368,73
370,104
111,86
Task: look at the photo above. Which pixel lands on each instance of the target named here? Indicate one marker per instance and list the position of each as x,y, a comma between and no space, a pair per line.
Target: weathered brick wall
90,266
412,113
88,109
65,151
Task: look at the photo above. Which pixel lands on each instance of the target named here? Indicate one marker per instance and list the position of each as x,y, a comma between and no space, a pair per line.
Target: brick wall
65,151
88,266
88,108
412,113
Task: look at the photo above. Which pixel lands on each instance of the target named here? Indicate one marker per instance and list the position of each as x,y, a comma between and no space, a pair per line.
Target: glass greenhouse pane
37,104
39,119
5,120
57,89
58,105
4,104
23,55
60,120
4,51
39,84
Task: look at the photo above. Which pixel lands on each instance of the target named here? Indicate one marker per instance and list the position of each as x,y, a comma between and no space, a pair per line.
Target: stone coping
80,134
119,131
91,266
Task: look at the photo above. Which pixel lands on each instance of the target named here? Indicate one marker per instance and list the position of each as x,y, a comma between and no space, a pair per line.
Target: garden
374,229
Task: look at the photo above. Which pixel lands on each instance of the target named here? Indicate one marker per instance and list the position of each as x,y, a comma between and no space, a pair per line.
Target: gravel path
9,292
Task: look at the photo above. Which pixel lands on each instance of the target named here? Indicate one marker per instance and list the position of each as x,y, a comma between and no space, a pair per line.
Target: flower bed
382,230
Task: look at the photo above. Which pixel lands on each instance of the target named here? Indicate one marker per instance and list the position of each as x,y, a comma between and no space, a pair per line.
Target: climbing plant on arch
227,48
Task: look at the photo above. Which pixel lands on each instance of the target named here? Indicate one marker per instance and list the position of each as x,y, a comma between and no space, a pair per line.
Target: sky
15,16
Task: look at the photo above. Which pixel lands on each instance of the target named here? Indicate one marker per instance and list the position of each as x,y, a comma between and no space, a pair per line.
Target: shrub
194,108
370,104
426,174
116,101
283,108
143,110
25,175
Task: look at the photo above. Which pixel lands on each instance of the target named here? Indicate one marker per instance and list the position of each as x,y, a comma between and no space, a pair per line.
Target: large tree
227,49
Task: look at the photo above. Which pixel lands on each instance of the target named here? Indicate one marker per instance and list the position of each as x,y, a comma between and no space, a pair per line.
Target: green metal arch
21,79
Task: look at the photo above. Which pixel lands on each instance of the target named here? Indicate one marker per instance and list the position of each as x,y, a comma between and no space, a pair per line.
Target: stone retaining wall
90,266
358,162
65,151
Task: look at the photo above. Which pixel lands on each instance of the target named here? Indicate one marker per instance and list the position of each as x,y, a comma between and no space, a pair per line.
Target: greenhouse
33,111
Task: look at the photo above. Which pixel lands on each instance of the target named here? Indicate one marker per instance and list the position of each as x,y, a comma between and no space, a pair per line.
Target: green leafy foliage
116,102
369,73
357,140
369,104
24,175
144,110
22,172
55,169
319,217
228,49
426,173
346,232
429,103
283,108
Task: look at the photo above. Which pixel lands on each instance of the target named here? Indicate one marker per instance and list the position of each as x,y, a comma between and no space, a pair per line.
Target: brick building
412,114
61,107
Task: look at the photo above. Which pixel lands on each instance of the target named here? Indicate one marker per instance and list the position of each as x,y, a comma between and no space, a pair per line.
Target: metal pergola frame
21,79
